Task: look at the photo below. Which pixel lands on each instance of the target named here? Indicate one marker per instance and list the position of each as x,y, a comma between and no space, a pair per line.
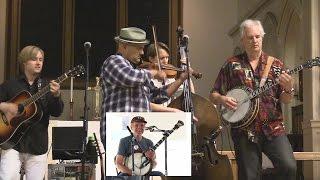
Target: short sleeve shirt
125,146
237,72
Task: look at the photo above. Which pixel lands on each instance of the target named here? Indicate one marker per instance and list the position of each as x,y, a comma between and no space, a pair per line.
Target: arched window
61,27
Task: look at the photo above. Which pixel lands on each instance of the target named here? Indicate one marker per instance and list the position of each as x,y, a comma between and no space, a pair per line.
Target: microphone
150,128
87,45
183,55
184,48
179,30
185,38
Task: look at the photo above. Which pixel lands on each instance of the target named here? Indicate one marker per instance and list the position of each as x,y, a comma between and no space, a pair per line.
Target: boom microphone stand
165,133
87,46
133,139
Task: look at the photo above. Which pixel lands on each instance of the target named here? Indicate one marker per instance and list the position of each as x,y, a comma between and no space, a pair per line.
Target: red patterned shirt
236,72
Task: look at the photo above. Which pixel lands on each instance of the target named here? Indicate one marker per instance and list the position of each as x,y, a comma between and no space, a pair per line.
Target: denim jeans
249,156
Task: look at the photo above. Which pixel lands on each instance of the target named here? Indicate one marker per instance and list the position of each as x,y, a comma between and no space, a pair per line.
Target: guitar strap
40,86
266,71
250,132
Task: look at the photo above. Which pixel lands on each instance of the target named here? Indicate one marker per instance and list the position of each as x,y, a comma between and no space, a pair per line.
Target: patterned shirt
126,89
237,71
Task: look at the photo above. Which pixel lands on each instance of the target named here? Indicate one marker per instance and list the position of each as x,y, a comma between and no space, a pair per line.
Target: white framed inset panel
179,142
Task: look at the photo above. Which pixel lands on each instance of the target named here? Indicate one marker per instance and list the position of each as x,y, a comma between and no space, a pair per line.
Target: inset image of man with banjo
143,156
156,144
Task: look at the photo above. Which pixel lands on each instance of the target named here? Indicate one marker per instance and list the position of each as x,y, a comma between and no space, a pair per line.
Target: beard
137,61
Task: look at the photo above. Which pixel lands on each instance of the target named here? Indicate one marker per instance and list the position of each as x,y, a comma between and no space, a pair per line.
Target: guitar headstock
312,62
76,71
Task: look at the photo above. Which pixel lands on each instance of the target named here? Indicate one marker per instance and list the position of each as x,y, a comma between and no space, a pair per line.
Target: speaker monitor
67,142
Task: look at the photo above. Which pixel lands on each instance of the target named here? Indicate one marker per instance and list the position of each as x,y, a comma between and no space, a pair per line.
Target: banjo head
240,94
139,158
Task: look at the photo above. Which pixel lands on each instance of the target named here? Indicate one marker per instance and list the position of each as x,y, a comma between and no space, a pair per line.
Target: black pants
249,157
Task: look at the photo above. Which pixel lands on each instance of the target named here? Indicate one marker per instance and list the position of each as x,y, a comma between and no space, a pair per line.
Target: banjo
142,165
248,101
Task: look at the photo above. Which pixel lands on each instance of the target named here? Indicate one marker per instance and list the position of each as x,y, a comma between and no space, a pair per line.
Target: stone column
311,90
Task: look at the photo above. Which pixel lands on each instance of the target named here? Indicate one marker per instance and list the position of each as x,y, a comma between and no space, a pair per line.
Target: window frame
67,43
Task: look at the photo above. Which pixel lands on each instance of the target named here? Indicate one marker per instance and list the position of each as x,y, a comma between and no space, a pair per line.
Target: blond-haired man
31,149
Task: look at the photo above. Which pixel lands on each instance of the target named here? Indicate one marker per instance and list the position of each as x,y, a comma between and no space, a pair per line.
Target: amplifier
71,171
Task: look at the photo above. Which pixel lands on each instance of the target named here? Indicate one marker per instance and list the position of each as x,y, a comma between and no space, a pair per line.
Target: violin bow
157,51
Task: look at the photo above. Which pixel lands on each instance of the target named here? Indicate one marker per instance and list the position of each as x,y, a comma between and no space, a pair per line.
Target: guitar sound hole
4,119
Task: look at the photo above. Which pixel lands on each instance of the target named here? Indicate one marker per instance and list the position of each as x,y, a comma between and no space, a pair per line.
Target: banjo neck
166,135
269,85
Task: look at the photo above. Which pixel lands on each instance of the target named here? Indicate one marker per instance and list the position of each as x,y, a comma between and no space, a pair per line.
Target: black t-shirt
35,140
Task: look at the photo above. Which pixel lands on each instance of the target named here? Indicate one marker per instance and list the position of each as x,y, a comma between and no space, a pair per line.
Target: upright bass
207,163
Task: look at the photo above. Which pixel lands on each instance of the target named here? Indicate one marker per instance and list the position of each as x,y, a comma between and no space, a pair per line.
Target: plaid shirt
126,89
236,72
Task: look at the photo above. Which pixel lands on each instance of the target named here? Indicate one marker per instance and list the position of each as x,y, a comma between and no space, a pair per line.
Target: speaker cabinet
67,142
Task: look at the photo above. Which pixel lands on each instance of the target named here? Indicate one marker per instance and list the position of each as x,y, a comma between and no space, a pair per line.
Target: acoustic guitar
12,130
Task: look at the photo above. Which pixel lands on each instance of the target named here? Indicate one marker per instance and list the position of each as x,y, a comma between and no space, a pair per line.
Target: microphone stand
165,133
185,49
132,155
133,139
87,46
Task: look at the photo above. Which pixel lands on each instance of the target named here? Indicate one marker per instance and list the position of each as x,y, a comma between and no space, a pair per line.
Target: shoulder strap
266,70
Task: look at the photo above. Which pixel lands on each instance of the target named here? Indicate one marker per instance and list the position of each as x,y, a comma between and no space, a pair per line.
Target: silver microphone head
149,127
87,45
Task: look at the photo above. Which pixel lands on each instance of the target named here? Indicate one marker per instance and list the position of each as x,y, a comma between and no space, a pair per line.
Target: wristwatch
291,91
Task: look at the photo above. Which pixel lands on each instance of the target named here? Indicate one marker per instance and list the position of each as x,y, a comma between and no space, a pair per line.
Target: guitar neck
43,91
269,85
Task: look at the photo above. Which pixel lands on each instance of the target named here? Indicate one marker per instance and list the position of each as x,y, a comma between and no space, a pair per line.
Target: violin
170,70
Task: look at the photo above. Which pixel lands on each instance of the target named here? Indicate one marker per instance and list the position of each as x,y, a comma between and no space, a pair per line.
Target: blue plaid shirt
126,89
